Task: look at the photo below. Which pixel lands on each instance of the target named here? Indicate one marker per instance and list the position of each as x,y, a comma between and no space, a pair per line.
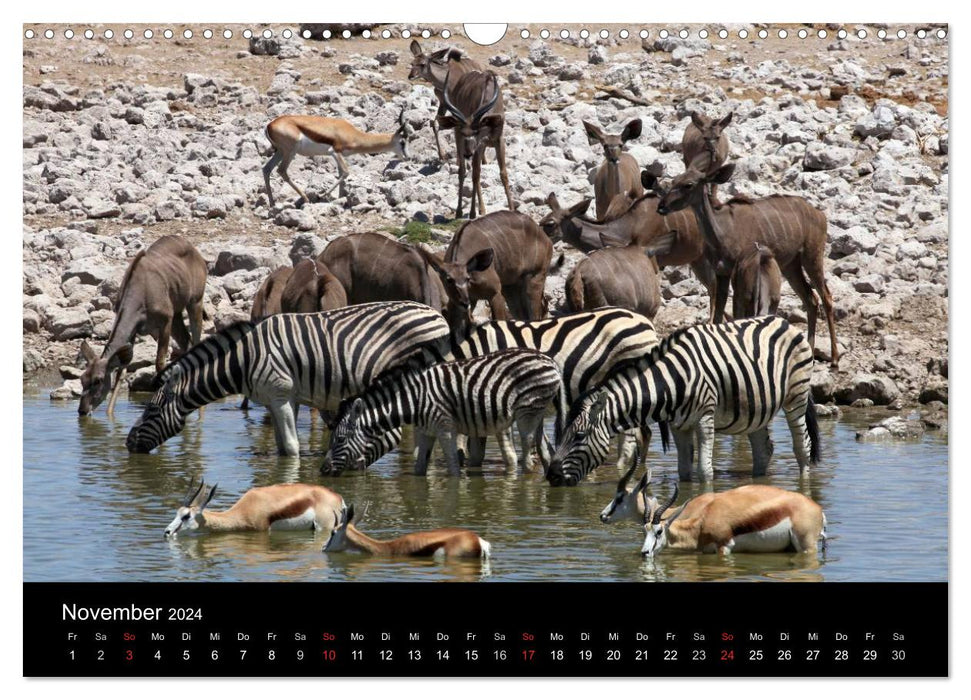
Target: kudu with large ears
434,68
458,280
619,173
793,229
161,282
477,113
705,144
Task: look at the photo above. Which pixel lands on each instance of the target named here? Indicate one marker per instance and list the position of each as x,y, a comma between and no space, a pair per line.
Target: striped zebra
729,377
287,360
584,345
480,396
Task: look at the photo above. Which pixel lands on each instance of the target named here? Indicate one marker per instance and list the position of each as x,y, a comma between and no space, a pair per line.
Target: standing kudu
756,284
161,282
705,145
793,229
477,114
435,68
501,257
640,225
619,173
312,288
371,267
625,277
267,301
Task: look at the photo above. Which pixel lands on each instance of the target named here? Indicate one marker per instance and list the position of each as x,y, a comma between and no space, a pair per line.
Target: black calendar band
480,629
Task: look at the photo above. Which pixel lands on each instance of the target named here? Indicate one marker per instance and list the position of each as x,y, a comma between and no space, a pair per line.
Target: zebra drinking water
729,377
286,360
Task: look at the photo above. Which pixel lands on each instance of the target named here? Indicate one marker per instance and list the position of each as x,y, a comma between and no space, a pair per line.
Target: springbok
160,282
477,114
756,284
789,226
636,223
753,518
295,135
373,267
625,277
312,288
435,68
619,173
277,507
501,257
628,503
704,143
268,299
444,542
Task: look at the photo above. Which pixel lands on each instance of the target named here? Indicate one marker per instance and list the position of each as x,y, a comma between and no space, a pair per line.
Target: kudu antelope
476,112
752,518
793,229
625,277
268,299
444,542
372,267
277,507
312,288
756,284
705,144
435,68
501,257
295,135
619,173
638,224
160,282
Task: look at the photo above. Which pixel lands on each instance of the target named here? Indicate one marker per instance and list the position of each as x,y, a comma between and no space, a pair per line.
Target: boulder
877,388
68,324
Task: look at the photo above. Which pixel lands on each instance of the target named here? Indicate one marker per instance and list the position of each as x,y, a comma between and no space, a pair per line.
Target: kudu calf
477,114
756,284
619,173
312,288
625,277
704,143
160,282
435,68
268,299
793,229
639,225
372,267
503,258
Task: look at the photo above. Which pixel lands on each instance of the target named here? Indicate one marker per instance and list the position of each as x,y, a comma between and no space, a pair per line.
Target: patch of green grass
413,232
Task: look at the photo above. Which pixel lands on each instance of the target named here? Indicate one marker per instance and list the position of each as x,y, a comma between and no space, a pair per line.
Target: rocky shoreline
857,127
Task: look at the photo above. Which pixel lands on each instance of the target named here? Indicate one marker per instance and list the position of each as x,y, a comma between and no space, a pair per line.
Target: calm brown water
92,512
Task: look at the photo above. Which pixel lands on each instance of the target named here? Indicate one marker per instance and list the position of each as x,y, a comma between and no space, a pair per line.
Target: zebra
729,377
288,359
476,397
584,345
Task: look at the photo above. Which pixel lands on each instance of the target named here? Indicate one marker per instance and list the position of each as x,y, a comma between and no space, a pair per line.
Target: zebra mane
214,344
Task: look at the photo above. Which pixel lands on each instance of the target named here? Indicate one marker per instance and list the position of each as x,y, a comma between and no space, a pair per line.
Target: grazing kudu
312,288
160,282
753,518
445,542
625,277
639,225
501,257
295,135
619,173
267,301
372,267
477,114
277,507
793,229
434,68
756,284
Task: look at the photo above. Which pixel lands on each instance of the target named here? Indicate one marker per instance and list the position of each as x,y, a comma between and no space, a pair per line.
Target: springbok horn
482,111
660,510
622,484
191,496
448,103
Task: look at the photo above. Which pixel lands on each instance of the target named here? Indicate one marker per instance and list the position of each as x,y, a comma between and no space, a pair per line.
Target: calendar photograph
391,303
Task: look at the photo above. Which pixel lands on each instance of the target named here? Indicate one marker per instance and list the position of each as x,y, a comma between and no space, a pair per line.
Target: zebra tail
562,411
664,429
812,425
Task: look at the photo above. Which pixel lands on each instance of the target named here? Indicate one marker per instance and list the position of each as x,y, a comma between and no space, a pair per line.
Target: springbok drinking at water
445,542
277,507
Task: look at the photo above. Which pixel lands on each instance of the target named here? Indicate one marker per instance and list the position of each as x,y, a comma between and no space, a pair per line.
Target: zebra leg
627,447
706,444
800,437
528,426
761,451
507,449
684,441
476,451
285,428
426,443
446,437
